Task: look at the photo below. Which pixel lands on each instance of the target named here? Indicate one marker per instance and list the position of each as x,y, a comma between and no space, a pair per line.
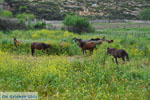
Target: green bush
40,25
78,24
6,13
25,17
145,14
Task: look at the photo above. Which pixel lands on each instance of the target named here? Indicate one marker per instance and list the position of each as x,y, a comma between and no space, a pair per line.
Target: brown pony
39,46
88,45
17,42
118,53
98,42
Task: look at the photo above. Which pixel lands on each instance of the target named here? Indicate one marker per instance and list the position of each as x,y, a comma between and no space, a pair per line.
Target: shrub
145,14
39,25
25,17
6,13
78,24
11,24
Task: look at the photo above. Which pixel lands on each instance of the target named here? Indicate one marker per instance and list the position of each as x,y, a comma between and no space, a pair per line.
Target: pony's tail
32,50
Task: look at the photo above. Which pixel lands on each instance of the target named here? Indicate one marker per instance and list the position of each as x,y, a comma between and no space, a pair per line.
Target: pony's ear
108,48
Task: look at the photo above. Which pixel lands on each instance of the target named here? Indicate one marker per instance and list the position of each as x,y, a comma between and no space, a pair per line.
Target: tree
145,14
6,13
78,24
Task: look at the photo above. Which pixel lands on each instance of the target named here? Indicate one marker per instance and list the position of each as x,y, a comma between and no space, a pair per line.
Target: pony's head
75,39
108,50
15,38
48,47
103,39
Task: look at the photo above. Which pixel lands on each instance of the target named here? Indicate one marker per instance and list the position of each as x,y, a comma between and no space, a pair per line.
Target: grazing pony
96,39
39,46
103,39
118,53
77,39
17,42
88,45
98,42
93,39
110,41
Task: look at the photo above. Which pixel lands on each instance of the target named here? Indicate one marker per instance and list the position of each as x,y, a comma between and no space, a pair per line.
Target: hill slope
50,9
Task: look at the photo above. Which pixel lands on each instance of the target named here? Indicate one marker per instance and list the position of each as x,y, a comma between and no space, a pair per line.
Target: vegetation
39,25
6,13
11,24
1,1
97,9
67,74
78,24
42,10
25,17
145,14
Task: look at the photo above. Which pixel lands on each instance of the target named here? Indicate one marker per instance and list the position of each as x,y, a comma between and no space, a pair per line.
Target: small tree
25,18
78,24
6,13
145,14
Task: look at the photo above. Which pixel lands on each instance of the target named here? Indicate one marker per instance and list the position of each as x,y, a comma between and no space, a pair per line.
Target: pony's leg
116,61
15,44
91,51
47,51
32,51
113,59
83,51
123,60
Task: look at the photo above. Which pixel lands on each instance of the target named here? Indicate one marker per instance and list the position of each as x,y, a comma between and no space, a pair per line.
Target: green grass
1,1
68,74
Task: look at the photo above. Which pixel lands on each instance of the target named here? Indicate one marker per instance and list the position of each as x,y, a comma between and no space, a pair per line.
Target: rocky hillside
56,9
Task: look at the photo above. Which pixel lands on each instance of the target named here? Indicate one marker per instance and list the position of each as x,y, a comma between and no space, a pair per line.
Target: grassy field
68,74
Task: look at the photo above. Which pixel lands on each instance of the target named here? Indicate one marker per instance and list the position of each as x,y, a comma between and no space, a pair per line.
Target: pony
39,46
103,39
88,45
110,41
118,53
77,39
98,42
17,42
98,39
95,39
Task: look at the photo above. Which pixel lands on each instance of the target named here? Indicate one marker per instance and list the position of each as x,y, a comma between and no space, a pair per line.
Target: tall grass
71,75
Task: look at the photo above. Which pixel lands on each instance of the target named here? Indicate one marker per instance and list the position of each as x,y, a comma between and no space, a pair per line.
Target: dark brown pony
39,46
86,45
118,53
95,39
77,39
110,41
17,42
